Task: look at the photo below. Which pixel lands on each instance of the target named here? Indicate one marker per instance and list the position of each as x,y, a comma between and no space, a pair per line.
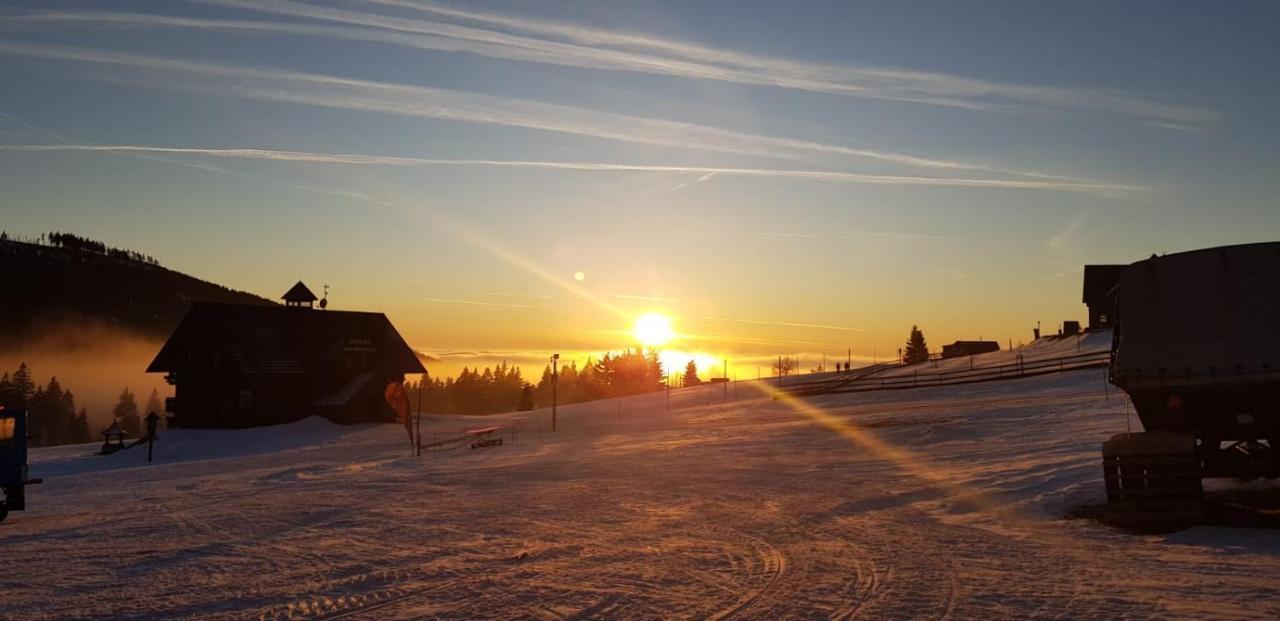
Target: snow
932,503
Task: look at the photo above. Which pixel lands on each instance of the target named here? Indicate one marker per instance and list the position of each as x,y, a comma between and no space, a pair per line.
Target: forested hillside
62,279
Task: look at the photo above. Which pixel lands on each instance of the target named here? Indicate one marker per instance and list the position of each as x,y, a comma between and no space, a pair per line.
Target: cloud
1059,275
499,304
870,82
856,235
643,298
576,45
591,48
418,101
788,324
1067,235
398,161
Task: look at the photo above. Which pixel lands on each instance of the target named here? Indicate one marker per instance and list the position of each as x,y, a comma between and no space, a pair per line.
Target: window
246,399
1102,318
7,426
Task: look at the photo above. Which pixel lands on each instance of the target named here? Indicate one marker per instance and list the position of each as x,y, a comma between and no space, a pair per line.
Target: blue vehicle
13,461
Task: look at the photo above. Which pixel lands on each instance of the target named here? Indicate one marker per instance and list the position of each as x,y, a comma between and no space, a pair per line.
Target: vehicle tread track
774,565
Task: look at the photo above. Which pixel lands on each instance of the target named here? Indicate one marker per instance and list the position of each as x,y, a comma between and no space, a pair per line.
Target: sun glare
653,329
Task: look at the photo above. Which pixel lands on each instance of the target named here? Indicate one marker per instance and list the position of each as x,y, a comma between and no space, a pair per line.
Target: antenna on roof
324,301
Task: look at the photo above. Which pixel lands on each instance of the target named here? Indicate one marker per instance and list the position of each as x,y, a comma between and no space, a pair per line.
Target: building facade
969,348
1100,282
239,365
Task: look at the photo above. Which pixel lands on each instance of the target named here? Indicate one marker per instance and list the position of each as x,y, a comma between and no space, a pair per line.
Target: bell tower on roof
299,295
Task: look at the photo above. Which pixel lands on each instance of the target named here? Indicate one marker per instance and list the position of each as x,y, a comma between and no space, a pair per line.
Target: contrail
399,161
418,101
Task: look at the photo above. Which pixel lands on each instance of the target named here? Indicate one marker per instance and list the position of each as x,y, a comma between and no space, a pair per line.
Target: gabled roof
299,293
278,340
1099,280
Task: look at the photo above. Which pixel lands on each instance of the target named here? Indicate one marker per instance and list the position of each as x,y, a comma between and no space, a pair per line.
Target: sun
653,329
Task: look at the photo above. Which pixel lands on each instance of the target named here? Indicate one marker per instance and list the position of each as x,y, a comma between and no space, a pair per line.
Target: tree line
504,388
52,416
70,241
59,239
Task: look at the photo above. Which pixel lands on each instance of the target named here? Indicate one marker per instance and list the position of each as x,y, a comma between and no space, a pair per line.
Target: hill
84,283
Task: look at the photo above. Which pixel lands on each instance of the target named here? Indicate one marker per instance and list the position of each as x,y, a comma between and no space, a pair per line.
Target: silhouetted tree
543,391
23,387
691,374
154,404
784,365
7,393
526,398
916,351
82,427
126,413
51,409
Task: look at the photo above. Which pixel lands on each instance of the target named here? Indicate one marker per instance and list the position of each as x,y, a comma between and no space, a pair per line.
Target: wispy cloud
1059,275
418,101
499,304
643,298
786,324
527,296
854,235
569,44
398,161
1067,235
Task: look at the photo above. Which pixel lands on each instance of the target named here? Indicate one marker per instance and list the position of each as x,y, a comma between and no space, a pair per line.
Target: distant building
1070,328
1100,282
960,349
240,365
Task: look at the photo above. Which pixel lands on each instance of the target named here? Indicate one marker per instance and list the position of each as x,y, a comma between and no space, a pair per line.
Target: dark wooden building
1100,282
239,365
969,348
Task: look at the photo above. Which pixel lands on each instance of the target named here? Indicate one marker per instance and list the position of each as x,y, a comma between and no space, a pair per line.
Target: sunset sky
774,177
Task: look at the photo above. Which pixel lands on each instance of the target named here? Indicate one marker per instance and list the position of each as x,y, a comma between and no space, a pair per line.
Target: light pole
555,385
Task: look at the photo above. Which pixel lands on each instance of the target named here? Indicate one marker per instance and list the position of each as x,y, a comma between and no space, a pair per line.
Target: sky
778,178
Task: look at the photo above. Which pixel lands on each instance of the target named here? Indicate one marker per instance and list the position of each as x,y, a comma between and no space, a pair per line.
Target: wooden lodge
241,365
959,349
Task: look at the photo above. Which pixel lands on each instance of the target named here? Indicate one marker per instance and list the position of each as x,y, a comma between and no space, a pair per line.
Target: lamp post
555,385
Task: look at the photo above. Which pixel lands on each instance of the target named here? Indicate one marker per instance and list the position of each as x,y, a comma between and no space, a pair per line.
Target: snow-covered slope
932,503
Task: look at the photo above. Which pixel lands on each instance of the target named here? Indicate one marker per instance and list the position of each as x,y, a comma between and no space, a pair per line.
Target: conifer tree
82,427
23,387
526,398
916,351
126,413
691,374
6,391
154,404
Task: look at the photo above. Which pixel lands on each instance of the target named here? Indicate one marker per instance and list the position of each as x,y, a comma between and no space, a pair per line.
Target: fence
869,380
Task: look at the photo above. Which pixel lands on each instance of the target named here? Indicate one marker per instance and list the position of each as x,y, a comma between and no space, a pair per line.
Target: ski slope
951,502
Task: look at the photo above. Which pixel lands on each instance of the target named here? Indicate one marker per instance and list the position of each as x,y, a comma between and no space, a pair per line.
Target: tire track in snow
773,564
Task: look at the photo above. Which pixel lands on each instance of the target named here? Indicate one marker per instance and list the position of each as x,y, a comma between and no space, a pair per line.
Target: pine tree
7,391
154,404
916,351
526,398
23,387
126,413
82,427
691,374
64,417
